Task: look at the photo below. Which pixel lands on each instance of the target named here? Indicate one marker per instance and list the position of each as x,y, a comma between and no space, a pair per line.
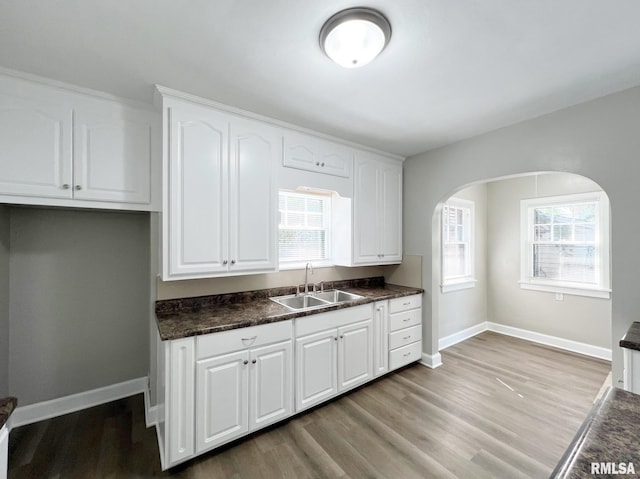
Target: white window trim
602,290
294,265
468,281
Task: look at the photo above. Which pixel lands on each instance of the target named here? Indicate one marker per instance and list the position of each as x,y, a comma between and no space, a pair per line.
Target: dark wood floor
498,408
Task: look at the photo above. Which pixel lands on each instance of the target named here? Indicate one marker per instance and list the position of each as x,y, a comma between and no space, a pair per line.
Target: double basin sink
303,302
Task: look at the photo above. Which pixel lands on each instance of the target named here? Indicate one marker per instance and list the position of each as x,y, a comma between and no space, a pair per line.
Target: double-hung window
303,230
457,245
565,244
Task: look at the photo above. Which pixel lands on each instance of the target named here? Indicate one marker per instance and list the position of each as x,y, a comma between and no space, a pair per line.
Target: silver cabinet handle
406,337
245,362
225,262
342,336
317,163
379,308
65,186
406,304
406,355
253,361
336,338
322,164
252,338
233,261
406,319
78,187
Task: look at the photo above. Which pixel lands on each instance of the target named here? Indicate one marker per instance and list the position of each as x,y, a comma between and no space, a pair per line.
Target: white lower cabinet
334,353
631,370
405,331
215,388
4,452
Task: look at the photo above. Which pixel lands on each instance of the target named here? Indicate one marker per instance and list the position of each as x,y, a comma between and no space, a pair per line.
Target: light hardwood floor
499,407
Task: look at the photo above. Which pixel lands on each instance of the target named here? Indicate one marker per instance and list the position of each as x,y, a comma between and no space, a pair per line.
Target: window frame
467,280
601,289
327,225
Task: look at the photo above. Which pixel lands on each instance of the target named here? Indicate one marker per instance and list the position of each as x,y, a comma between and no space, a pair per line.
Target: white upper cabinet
113,154
309,153
35,147
220,195
63,148
375,215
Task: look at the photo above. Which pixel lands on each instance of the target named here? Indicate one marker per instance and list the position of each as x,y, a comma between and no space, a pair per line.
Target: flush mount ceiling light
354,37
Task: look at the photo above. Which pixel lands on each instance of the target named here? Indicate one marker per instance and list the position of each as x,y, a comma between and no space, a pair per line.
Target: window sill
297,266
458,285
575,291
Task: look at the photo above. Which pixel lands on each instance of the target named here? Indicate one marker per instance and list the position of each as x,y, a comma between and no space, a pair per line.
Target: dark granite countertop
181,318
7,405
610,434
631,340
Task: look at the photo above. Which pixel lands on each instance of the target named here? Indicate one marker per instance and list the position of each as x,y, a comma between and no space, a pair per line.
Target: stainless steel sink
337,296
315,300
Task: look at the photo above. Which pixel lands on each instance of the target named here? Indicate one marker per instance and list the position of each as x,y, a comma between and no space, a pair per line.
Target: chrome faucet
306,277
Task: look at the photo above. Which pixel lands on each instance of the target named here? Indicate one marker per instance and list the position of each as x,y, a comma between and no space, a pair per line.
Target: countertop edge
401,292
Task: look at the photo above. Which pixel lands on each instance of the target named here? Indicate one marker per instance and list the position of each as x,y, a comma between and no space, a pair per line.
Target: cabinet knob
253,361
233,261
245,362
322,164
225,262
78,187
336,338
65,186
342,336
317,163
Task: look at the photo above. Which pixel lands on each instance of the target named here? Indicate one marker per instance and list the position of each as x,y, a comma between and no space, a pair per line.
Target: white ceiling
453,69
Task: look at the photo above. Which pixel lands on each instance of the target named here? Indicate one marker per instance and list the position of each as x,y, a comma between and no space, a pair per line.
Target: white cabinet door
390,209
380,338
377,211
253,228
271,388
316,367
313,154
180,423
366,248
35,156
196,216
112,153
355,354
221,399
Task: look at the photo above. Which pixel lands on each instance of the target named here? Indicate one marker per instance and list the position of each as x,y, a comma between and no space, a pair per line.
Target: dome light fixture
355,36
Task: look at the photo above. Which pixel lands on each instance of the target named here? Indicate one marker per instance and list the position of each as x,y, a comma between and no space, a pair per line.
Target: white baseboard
455,338
57,407
561,343
431,360
554,341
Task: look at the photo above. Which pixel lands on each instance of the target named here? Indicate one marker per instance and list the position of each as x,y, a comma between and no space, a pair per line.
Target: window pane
454,260
542,216
586,213
562,233
585,232
542,233
564,262
302,233
563,214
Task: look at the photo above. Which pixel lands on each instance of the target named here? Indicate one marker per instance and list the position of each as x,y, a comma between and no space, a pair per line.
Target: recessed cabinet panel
255,150
355,354
380,337
35,158
366,226
309,153
112,155
271,388
316,364
221,412
198,191
181,382
391,211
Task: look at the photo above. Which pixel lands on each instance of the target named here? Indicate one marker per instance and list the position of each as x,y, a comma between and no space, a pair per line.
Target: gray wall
4,301
577,318
598,139
468,307
79,301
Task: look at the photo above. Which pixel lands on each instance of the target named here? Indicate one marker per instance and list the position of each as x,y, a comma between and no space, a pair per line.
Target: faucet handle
322,286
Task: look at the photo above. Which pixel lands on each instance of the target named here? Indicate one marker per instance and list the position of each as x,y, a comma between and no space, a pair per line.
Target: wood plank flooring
499,407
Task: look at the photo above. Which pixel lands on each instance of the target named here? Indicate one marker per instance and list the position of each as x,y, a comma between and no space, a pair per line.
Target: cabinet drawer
243,338
405,319
403,304
405,355
315,323
405,336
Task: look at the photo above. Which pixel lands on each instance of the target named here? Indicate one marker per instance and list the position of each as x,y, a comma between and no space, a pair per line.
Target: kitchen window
303,230
565,244
457,245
